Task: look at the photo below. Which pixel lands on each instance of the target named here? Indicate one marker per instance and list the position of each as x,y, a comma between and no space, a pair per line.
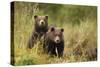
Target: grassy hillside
80,32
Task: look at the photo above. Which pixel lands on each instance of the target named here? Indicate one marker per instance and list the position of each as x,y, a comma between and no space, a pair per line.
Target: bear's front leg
32,40
60,50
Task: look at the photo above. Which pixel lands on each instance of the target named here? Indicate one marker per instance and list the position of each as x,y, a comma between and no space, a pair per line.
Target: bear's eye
59,35
45,19
39,19
56,35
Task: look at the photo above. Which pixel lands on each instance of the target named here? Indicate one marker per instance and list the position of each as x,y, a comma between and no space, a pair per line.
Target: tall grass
80,40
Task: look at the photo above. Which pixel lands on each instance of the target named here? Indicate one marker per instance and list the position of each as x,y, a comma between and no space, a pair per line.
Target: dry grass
80,45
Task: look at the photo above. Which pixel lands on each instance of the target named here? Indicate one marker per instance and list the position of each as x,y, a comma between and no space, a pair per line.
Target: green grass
80,40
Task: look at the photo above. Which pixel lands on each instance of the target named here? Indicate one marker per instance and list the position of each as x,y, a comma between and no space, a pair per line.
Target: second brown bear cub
40,28
54,41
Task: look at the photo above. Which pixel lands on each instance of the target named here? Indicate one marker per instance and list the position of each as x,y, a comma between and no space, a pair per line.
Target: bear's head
41,21
56,34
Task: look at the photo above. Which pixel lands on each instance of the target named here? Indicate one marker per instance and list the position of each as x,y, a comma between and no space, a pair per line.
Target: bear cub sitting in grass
40,29
54,41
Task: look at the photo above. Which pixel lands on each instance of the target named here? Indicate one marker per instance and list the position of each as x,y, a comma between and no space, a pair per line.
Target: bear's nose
57,41
42,22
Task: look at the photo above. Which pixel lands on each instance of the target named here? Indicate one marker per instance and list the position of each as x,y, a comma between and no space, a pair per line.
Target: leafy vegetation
80,32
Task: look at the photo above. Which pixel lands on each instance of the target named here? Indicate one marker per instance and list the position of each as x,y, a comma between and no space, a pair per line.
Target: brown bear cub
40,29
54,41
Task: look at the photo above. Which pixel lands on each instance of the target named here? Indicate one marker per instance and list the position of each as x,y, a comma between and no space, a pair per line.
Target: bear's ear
35,16
62,30
52,29
46,17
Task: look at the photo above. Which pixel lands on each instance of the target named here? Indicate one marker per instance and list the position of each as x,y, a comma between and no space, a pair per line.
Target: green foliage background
80,32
